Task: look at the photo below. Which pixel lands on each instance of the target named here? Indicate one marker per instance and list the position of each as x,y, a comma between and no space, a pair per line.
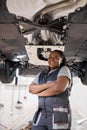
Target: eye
57,58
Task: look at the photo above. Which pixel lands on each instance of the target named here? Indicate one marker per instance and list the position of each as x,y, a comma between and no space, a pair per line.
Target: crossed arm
50,88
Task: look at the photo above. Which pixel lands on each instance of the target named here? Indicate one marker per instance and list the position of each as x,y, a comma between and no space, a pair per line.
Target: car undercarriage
25,43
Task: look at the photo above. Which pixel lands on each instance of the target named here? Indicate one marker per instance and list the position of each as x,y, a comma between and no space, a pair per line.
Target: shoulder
65,68
39,75
65,71
36,78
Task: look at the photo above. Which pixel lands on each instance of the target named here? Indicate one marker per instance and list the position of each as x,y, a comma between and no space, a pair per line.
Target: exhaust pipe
66,5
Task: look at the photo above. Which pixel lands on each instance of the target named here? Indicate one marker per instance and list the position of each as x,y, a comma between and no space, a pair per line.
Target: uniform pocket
60,115
60,118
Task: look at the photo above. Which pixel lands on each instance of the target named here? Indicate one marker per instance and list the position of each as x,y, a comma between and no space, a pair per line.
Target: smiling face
54,60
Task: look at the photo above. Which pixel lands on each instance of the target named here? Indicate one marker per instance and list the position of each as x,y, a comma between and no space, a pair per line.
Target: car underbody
25,43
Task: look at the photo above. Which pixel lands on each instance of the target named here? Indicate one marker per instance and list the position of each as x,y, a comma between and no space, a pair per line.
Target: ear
61,60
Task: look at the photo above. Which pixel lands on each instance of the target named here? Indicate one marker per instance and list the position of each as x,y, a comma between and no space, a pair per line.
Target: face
54,60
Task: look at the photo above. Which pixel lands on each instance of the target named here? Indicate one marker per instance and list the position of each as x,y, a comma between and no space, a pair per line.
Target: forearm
38,88
51,91
58,87
51,88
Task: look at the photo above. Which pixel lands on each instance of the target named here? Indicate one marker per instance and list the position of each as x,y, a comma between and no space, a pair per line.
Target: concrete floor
14,116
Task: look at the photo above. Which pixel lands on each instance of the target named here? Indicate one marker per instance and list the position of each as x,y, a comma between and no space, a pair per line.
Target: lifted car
25,43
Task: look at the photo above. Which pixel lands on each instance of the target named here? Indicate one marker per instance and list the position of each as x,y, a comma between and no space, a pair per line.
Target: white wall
79,97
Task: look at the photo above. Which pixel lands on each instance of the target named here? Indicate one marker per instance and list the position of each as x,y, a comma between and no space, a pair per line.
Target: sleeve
36,79
64,71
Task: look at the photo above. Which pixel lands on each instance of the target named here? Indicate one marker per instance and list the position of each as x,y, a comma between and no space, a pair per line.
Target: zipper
45,107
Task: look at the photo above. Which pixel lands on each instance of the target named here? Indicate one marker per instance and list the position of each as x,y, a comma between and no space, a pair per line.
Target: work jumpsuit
53,112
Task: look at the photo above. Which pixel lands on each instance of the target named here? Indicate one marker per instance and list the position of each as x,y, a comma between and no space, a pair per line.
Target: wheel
84,76
6,73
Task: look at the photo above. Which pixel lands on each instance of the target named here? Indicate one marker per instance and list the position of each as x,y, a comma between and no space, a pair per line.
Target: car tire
6,73
84,76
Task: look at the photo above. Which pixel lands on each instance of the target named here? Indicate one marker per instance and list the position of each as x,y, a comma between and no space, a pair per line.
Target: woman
53,89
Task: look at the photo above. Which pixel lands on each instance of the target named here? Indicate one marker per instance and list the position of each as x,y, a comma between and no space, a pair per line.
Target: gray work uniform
54,111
